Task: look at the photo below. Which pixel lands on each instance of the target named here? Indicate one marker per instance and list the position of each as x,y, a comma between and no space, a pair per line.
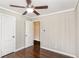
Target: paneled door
8,34
28,34
0,36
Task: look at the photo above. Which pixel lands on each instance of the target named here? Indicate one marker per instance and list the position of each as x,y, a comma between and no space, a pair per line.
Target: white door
28,34
8,34
0,36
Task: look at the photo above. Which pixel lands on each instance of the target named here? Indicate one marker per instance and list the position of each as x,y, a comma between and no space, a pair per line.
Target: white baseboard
19,49
28,45
22,48
59,52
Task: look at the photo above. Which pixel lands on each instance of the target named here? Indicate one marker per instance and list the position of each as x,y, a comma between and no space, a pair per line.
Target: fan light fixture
29,10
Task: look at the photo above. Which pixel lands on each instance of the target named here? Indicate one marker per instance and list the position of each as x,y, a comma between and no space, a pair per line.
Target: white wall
59,32
20,28
77,30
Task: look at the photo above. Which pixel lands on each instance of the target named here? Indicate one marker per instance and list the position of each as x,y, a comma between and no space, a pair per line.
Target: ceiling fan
30,8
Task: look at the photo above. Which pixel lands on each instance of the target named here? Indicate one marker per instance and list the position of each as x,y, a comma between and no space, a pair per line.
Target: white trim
15,36
12,11
59,52
28,45
19,49
58,12
72,9
77,4
22,48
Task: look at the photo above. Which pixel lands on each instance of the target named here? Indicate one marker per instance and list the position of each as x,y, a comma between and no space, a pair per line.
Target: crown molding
12,11
58,12
53,13
77,4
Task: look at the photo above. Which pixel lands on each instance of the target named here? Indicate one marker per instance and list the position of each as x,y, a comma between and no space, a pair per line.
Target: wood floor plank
33,52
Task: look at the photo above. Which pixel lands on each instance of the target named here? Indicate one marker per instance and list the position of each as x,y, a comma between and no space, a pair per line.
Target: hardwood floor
34,52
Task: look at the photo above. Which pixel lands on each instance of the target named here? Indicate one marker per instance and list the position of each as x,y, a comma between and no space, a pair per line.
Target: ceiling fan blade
28,2
24,13
17,6
36,12
41,7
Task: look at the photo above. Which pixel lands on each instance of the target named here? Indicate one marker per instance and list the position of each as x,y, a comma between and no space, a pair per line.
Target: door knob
13,36
25,35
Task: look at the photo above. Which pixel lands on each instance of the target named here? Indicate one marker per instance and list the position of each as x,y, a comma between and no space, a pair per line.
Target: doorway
36,26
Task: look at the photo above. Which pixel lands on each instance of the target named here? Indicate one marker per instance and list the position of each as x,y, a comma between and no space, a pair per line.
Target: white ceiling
53,5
